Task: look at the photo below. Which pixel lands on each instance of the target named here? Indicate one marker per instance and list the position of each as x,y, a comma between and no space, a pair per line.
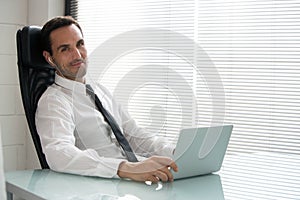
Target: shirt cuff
112,166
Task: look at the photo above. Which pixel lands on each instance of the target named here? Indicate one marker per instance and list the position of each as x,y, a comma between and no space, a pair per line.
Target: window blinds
253,45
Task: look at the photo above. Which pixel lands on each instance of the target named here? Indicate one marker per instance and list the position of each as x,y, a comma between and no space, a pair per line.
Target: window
177,64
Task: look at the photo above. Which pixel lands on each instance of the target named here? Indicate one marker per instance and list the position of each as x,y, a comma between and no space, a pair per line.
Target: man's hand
152,169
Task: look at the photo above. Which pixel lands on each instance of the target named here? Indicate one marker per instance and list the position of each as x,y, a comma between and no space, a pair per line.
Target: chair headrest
29,47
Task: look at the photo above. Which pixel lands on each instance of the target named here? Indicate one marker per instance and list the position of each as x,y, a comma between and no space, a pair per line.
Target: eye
80,43
63,49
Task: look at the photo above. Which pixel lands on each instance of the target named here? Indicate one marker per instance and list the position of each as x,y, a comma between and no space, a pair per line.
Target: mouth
77,63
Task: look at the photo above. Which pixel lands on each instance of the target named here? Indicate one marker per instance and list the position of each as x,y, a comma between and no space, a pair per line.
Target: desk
251,176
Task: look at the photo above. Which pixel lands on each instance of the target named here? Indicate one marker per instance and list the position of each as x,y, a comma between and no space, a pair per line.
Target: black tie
113,124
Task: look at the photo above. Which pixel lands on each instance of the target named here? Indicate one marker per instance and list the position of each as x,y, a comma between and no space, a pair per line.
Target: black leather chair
35,75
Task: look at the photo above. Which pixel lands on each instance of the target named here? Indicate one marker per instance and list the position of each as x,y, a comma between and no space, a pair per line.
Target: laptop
201,151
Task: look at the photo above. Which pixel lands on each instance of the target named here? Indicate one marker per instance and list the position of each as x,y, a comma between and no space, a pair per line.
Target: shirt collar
75,86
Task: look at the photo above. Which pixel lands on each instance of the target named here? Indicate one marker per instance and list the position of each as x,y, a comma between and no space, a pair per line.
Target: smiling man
75,136
69,53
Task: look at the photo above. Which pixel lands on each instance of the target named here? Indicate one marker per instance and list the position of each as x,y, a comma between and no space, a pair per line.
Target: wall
13,15
18,150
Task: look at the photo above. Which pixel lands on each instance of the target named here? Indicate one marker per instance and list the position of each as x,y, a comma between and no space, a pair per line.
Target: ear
48,58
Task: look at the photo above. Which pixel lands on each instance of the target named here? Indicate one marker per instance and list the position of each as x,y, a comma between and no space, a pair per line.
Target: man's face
69,55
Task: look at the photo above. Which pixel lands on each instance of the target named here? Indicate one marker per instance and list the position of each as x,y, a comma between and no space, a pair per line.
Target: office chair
35,75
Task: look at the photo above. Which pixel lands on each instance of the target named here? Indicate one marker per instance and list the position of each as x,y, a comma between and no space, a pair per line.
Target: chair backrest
35,75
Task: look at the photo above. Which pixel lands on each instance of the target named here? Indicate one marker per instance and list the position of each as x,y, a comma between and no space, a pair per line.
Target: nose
76,53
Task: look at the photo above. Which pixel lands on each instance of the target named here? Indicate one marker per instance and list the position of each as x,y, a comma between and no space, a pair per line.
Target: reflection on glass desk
48,184
252,176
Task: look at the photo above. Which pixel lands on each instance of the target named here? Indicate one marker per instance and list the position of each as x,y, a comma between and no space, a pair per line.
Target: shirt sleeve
55,126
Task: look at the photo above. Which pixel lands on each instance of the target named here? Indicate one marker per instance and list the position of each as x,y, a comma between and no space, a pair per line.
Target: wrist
124,169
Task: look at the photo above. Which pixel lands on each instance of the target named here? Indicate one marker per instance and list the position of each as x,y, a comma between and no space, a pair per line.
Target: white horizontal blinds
150,79
255,47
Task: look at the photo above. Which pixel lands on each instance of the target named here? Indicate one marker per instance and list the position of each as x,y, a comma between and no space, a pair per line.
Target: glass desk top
251,176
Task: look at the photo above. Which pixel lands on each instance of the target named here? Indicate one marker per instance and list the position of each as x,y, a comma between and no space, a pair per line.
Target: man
74,135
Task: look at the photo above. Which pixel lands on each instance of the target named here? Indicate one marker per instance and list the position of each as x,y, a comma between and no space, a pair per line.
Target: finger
161,175
152,179
174,166
167,173
164,161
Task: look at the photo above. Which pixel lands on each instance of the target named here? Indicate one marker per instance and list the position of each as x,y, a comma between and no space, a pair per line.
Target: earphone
50,61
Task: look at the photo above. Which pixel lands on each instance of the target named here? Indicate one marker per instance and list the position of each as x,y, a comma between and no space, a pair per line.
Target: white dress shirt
76,139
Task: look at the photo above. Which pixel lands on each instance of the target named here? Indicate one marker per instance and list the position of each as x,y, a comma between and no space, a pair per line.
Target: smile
77,63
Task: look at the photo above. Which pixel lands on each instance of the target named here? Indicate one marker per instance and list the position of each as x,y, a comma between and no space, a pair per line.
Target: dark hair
53,24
